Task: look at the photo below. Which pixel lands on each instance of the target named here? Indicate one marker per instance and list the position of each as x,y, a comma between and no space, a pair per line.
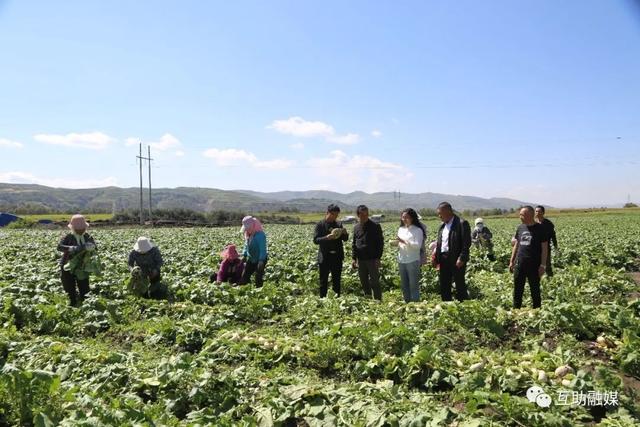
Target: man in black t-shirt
329,235
528,258
550,229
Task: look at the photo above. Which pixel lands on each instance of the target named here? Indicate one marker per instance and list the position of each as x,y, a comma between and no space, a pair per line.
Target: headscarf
250,226
77,222
230,253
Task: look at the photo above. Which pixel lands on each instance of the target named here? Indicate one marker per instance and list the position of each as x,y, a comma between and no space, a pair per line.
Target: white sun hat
479,221
143,245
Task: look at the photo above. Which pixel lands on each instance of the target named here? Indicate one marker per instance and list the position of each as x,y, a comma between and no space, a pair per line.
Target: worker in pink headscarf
255,250
231,267
73,244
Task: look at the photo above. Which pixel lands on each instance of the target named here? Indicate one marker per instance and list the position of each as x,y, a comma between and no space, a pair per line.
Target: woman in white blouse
410,241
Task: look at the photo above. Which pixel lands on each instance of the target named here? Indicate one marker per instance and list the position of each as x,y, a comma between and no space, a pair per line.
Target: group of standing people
449,254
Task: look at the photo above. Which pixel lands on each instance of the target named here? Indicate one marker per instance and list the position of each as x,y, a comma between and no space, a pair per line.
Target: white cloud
299,127
348,139
376,133
297,146
29,178
90,140
235,157
167,142
359,172
10,144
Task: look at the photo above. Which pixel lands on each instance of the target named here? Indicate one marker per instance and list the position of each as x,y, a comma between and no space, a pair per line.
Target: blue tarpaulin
7,218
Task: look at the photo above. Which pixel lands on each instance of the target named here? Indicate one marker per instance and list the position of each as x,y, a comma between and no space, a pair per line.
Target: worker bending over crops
231,267
481,238
74,247
255,250
145,261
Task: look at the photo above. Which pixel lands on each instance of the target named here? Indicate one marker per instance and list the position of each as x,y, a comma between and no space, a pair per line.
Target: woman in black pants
73,244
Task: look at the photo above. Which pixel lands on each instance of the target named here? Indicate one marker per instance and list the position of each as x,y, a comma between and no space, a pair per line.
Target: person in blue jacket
255,250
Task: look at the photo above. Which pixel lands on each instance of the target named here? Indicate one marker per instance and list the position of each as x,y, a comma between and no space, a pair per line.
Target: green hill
41,199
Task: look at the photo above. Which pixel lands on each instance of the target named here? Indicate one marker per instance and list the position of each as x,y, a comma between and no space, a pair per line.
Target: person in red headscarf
231,267
71,245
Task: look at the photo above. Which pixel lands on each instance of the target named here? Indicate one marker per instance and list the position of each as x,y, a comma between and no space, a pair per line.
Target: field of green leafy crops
220,355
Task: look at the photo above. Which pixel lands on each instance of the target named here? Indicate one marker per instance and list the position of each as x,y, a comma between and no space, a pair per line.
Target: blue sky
535,100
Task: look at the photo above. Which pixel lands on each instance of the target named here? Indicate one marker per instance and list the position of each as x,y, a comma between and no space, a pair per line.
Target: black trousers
251,268
526,269
157,290
370,278
75,288
449,273
549,271
330,264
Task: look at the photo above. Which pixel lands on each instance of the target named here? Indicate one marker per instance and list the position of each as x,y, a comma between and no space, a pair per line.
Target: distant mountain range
114,199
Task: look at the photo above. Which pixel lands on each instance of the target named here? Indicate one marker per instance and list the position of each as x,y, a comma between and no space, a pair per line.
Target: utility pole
140,158
149,160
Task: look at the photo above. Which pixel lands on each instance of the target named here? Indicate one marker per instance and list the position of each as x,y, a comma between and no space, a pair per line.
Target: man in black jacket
329,235
368,244
452,252
550,230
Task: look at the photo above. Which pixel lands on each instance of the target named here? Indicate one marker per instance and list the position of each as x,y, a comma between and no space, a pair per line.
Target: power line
587,163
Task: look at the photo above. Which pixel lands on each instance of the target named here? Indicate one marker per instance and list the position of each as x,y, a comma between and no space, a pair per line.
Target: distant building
377,218
7,218
350,219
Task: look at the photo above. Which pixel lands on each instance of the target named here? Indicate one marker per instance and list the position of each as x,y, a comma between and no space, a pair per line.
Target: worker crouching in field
255,250
231,267
145,262
481,238
74,247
